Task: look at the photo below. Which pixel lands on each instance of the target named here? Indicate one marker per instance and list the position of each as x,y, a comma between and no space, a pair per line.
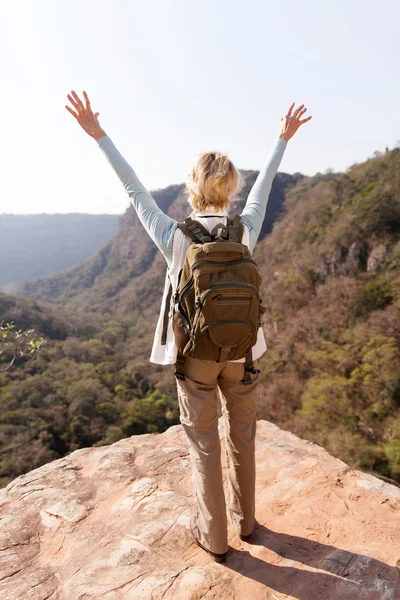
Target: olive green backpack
217,308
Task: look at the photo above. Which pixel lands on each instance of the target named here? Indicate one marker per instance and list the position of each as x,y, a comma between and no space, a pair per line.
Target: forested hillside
33,246
331,285
331,270
92,384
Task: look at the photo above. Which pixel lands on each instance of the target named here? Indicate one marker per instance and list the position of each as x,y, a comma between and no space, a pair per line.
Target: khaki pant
197,396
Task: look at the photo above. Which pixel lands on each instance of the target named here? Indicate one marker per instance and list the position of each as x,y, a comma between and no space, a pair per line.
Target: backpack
216,309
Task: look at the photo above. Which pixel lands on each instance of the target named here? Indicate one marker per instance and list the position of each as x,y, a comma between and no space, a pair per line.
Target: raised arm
254,211
158,225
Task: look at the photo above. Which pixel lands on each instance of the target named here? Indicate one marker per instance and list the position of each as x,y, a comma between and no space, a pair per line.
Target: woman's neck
211,210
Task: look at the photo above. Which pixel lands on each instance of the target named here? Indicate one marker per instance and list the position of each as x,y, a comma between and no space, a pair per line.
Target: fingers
304,120
78,100
300,110
72,112
73,102
88,106
296,112
301,113
289,112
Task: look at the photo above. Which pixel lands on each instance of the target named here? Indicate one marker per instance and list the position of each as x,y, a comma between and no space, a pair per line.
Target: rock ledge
112,523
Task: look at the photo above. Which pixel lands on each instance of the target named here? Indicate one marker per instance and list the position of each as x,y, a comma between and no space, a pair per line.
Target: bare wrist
282,136
98,134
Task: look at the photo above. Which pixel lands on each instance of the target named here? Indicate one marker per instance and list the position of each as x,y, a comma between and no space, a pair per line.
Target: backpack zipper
216,262
238,299
222,323
228,285
185,287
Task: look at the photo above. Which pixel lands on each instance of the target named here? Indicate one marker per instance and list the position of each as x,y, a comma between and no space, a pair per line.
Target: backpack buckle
252,370
179,375
180,366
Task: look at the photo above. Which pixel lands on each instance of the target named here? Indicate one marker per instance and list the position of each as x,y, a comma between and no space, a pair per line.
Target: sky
173,78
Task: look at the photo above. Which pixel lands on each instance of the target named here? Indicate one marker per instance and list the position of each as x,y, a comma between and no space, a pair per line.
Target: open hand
290,123
84,115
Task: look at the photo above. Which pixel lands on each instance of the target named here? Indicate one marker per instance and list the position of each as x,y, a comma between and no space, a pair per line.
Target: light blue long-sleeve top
161,227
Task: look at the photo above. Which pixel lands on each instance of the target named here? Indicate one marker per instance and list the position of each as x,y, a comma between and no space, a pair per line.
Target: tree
17,343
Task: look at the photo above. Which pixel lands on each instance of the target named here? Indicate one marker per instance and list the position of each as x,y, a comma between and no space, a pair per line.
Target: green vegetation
16,343
331,273
331,268
83,389
375,295
92,384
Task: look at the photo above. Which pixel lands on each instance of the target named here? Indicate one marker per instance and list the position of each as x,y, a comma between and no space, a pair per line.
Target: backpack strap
166,315
195,231
224,353
188,233
180,366
249,367
235,227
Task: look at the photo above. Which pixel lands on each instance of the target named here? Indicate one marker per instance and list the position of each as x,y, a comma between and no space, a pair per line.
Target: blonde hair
212,181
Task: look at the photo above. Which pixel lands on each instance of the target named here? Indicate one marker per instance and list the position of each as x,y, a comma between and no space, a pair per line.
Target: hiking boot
220,558
246,537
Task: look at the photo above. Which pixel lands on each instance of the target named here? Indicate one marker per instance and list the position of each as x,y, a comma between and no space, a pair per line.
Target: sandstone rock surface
111,523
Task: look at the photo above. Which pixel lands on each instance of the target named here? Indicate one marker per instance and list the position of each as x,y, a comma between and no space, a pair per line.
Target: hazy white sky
172,78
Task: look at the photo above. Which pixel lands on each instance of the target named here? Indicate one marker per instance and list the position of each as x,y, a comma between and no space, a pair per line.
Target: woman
212,182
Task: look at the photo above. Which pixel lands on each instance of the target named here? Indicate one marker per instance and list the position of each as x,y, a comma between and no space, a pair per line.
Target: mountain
331,285
33,246
91,384
125,277
331,271
111,276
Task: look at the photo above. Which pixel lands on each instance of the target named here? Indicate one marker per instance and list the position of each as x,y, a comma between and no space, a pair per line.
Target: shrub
392,451
375,295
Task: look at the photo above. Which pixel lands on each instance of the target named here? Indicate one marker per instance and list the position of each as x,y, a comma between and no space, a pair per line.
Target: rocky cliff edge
112,523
